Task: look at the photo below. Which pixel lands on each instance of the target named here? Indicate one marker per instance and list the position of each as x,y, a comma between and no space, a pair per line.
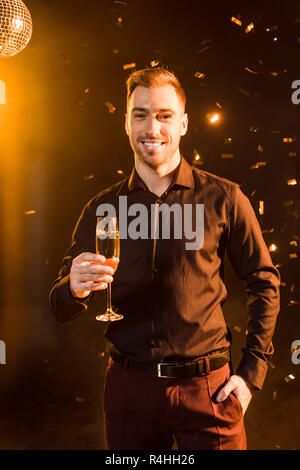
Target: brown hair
154,77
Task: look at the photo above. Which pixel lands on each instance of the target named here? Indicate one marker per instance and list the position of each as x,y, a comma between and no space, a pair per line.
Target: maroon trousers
142,412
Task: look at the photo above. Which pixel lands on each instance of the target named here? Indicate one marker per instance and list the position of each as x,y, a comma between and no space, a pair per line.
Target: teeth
149,144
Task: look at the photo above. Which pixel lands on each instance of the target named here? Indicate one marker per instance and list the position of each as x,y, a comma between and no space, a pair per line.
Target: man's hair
154,77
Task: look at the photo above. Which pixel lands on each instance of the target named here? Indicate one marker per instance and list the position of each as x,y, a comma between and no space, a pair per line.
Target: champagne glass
108,245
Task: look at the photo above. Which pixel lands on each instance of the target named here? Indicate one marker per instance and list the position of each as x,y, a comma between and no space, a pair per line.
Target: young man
170,373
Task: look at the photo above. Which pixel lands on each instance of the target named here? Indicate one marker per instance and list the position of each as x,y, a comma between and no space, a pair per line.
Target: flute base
109,315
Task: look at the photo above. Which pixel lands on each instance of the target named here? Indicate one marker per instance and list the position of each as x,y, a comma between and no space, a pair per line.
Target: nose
153,126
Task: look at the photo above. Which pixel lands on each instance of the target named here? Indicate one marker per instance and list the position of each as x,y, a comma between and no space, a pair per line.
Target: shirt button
154,343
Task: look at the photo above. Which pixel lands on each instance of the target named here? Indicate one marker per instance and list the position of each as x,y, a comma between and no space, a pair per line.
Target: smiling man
170,374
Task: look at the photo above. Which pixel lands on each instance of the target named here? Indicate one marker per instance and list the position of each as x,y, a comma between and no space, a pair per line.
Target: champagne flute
108,245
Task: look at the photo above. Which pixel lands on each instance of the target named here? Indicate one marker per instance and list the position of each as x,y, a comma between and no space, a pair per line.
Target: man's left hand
242,390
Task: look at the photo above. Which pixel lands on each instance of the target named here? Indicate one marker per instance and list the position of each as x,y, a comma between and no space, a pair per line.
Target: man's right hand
89,273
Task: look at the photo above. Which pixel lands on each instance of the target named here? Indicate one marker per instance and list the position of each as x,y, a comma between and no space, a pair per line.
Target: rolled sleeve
252,263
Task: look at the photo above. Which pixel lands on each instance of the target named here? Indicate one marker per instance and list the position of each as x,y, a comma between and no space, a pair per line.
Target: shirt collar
183,176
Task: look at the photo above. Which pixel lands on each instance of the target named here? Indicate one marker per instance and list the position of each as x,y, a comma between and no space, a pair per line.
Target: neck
157,179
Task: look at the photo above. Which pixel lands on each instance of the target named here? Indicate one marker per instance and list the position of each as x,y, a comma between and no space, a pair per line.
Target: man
170,374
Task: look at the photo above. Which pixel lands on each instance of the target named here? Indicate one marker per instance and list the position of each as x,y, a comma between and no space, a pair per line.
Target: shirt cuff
68,307
253,370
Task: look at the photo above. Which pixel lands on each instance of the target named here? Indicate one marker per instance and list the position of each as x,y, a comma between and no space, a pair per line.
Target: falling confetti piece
288,203
261,149
236,21
87,90
292,288
120,172
283,284
261,207
199,75
120,3
129,66
154,63
275,39
116,51
268,230
254,128
293,242
293,255
203,50
244,92
80,399
219,105
227,140
273,247
89,177
273,28
101,354
289,378
292,154
2,92
249,28
258,164
292,182
119,21
237,328
213,117
111,108
274,395
47,261
251,71
30,212
288,139
293,302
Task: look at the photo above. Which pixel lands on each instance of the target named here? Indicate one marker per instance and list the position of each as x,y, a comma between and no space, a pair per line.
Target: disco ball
15,27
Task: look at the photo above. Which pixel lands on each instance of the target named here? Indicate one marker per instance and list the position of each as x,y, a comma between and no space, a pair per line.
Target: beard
155,159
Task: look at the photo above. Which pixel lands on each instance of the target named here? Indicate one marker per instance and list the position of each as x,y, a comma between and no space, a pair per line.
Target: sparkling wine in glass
108,245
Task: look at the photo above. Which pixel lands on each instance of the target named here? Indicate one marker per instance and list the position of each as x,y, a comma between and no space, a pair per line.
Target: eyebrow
162,110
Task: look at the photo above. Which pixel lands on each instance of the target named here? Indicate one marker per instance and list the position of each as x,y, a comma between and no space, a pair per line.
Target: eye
139,116
165,116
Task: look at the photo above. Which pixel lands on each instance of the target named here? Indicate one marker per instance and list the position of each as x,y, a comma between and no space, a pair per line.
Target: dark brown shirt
172,297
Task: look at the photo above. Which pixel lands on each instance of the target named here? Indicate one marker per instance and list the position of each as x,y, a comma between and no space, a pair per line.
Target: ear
184,124
126,124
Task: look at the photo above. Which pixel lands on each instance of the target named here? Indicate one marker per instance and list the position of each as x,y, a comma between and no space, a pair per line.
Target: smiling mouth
152,145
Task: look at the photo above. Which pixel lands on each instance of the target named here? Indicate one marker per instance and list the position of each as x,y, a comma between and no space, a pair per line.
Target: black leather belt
201,366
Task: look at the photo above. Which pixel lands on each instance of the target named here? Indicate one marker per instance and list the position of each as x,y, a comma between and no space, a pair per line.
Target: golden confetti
293,242
101,354
292,182
227,140
253,192
80,399
87,90
289,378
154,63
199,75
292,288
111,108
293,255
261,208
30,212
293,302
261,149
257,165
129,66
116,51
268,230
254,129
237,328
273,28
288,203
213,117
244,92
119,21
249,28
283,284
120,172
275,39
236,21
251,71
292,154
203,50
273,247
288,139
274,394
89,177
274,74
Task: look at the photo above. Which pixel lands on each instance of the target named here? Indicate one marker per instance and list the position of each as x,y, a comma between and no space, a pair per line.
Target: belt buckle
159,373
